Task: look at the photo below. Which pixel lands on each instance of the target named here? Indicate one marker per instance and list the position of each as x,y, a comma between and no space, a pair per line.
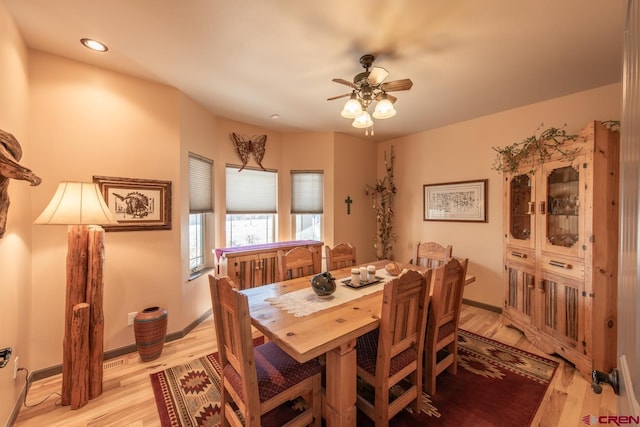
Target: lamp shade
352,108
363,121
76,203
384,109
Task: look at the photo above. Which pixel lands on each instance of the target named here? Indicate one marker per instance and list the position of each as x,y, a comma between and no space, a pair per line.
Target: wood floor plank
128,399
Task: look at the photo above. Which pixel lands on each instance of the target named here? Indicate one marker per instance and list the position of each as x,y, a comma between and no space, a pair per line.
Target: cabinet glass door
520,211
561,208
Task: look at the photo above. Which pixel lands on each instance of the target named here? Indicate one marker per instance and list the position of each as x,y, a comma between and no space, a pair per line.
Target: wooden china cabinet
561,251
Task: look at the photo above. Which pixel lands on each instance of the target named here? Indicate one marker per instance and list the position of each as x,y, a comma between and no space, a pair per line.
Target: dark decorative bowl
323,284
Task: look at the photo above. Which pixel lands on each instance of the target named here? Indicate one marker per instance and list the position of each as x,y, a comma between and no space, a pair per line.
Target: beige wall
198,134
75,121
227,155
463,151
15,246
306,151
354,168
86,121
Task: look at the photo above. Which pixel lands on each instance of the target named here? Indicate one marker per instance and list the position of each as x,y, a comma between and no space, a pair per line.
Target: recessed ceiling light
275,116
94,45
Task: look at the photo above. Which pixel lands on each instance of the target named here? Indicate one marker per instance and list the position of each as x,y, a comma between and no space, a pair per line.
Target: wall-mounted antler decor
256,145
10,154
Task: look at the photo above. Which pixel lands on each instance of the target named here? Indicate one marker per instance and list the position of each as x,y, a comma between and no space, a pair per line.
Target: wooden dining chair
297,262
257,379
341,255
393,352
441,342
431,254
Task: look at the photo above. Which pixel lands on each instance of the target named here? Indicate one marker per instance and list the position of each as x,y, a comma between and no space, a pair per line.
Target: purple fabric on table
275,245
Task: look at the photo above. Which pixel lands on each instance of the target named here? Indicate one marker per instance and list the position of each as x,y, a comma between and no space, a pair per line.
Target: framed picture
464,201
137,204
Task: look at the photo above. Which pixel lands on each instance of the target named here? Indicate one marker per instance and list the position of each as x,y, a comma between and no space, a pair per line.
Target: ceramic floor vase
150,328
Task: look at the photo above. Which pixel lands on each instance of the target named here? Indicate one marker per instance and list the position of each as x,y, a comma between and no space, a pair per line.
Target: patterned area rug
189,394
496,385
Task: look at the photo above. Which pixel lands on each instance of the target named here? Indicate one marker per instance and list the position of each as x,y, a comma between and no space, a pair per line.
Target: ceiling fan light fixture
369,88
352,108
384,109
362,122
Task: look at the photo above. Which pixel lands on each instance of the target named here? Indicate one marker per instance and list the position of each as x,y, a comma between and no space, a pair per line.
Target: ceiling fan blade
345,82
339,96
404,84
377,75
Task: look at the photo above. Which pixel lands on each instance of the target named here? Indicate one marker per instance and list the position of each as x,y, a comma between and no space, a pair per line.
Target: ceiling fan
367,87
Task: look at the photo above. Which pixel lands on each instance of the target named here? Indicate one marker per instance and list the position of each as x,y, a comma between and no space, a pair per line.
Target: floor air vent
113,364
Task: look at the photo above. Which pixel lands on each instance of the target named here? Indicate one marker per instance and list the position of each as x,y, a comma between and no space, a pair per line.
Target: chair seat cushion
276,371
367,353
446,329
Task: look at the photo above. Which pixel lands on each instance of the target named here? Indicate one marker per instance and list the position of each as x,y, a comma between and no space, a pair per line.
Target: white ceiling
249,59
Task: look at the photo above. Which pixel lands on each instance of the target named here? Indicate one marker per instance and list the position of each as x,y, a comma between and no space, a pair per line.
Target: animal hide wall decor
10,154
256,145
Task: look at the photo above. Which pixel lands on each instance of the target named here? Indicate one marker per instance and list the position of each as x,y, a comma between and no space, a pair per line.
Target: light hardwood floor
128,400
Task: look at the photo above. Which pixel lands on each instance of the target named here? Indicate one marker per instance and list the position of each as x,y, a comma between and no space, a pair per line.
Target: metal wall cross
348,201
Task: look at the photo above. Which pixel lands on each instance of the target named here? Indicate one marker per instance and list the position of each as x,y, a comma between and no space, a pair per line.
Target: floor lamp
80,206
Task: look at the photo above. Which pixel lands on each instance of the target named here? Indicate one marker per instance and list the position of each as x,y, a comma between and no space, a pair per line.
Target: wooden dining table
331,332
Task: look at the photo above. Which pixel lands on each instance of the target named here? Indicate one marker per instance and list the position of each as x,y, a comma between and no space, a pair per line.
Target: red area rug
496,385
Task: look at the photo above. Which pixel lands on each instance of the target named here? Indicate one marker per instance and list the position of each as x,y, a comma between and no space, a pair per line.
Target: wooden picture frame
137,204
462,201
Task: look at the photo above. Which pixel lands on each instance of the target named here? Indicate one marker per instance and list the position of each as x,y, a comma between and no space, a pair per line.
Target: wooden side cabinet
561,251
257,265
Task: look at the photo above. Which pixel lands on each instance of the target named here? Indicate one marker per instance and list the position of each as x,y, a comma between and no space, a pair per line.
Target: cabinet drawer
568,267
520,255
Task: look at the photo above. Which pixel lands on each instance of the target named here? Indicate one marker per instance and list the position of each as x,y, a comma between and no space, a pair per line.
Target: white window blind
200,184
306,192
251,191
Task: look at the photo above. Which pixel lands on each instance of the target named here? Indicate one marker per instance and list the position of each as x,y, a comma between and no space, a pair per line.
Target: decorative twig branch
382,194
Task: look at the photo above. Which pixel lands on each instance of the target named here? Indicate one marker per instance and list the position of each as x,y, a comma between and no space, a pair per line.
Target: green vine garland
535,149
612,125
539,147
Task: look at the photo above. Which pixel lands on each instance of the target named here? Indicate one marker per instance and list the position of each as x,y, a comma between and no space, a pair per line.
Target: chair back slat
403,319
244,399
297,262
396,348
447,292
431,254
443,320
233,332
340,256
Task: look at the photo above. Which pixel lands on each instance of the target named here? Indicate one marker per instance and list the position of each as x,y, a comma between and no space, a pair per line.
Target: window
200,204
252,199
196,242
307,190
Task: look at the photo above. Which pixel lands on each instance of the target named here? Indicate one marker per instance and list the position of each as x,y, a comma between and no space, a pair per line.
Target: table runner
304,302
